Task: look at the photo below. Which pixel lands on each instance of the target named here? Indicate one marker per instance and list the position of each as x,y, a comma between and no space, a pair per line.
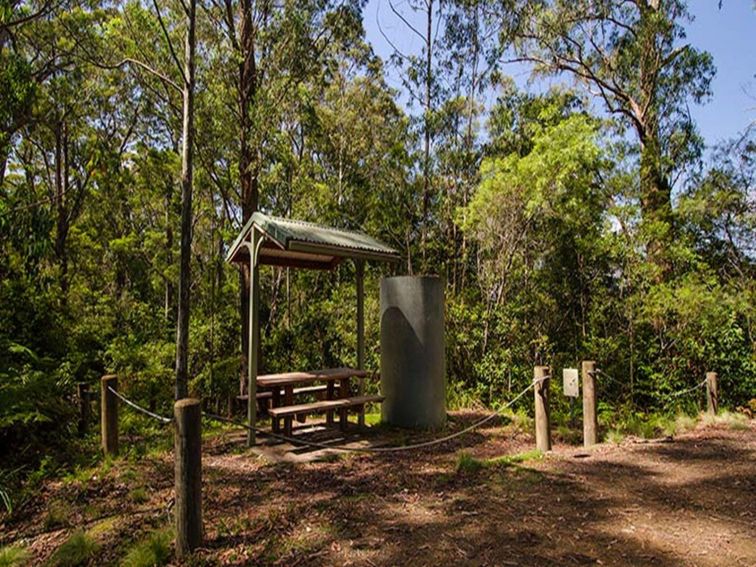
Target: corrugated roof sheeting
295,237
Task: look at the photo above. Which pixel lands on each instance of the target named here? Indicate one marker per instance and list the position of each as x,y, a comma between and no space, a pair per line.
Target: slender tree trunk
182,327
4,151
248,168
61,225
169,289
426,128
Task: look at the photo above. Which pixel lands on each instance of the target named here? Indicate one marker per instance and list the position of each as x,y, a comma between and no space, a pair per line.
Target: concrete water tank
413,355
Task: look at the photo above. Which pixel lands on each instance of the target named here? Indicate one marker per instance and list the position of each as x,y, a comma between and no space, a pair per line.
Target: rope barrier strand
397,449
672,394
145,411
688,390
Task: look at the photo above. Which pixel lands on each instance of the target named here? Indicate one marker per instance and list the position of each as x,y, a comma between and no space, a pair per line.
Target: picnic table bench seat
342,405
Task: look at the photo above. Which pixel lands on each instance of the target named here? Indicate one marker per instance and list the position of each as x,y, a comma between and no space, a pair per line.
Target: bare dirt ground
686,501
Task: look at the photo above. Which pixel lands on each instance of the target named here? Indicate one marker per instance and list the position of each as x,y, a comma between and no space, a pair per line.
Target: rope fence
396,449
188,436
314,444
688,390
341,447
301,442
598,371
139,408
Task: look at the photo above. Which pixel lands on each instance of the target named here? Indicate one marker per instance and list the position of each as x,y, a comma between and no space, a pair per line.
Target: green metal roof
296,243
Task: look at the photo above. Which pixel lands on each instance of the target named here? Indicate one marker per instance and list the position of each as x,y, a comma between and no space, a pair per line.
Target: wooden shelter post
360,273
254,335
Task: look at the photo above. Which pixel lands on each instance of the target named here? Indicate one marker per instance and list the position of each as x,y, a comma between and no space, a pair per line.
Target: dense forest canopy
579,222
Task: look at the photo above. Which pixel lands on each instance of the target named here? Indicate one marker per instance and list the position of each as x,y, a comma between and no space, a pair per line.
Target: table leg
287,425
288,395
344,392
288,401
361,409
329,396
275,402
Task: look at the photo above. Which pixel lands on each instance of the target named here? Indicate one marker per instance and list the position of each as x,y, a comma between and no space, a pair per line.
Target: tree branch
175,58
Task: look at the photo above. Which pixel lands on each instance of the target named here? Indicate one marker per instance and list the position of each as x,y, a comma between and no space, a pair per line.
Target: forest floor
687,500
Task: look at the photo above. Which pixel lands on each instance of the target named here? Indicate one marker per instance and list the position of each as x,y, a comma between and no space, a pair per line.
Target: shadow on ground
690,502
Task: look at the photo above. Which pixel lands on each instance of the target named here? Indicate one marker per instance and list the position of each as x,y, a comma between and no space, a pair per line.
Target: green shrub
153,550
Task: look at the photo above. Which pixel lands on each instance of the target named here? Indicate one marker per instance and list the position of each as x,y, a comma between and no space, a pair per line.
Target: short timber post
590,420
84,405
712,393
541,380
109,414
188,476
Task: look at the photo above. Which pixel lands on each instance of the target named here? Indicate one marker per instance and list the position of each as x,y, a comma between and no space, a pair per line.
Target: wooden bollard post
542,425
712,393
188,475
590,419
84,407
109,414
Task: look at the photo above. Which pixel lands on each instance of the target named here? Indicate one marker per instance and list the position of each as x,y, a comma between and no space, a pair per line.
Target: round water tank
413,356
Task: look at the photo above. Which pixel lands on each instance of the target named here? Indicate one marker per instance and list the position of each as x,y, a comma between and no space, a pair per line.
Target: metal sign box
571,386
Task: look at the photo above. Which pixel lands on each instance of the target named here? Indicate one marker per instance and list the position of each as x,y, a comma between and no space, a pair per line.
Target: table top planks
292,378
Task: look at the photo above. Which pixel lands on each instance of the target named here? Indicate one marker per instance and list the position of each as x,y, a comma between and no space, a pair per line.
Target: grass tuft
684,423
506,460
57,515
615,436
76,550
467,464
14,556
727,419
139,495
151,551
519,421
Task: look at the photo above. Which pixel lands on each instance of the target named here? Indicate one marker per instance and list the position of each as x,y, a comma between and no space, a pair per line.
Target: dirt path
691,501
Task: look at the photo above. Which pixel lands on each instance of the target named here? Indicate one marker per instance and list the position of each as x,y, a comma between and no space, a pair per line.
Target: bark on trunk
182,327
4,151
62,220
169,288
656,198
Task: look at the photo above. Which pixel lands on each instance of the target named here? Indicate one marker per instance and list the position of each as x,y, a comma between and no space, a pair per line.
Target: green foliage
14,556
151,551
57,515
467,464
532,209
139,495
78,549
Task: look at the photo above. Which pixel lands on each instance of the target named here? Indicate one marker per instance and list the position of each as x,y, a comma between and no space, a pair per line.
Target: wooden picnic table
288,380
295,378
